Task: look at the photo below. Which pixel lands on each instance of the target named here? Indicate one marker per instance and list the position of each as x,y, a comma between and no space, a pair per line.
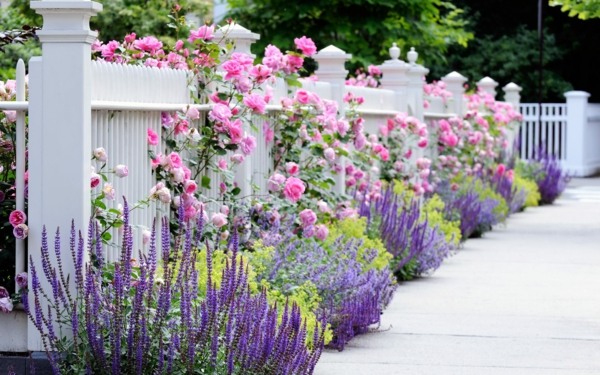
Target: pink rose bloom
248,144
190,186
273,58
292,168
95,180
307,217
306,45
108,50
235,131
148,44
192,113
233,68
275,182
237,158
17,217
321,232
219,219
374,70
6,305
499,170
255,102
224,210
174,160
302,97
268,133
100,154
21,280
166,120
260,73
11,116
220,112
360,141
109,191
329,154
204,32
178,175
21,231
293,189
222,164
152,137
422,143
146,235
121,170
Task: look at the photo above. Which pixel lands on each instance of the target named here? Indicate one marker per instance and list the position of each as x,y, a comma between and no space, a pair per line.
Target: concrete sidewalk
525,299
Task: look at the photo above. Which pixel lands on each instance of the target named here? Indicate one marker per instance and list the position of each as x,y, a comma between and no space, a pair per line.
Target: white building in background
4,3
219,9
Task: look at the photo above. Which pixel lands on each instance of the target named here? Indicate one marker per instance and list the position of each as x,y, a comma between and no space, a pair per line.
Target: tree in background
583,9
364,28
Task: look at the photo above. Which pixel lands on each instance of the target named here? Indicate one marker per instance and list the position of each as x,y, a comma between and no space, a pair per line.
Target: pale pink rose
220,113
260,73
11,116
248,144
3,292
166,120
275,182
121,170
237,158
224,210
190,186
323,207
178,175
164,195
321,232
204,32
174,160
329,154
21,231
294,188
255,102
95,180
219,219
273,58
307,217
192,113
100,154
306,45
17,217
6,305
292,168
146,235
292,63
152,137
109,191
222,164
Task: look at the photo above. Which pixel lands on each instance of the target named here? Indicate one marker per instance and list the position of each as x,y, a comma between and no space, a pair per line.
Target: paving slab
525,299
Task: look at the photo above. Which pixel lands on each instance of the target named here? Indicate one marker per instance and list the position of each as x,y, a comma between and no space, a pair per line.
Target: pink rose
95,180
11,116
174,160
192,113
220,113
204,32
152,137
422,143
222,164
121,170
235,131
292,168
307,217
306,45
260,73
6,305
148,44
321,232
237,158
233,68
100,154
21,280
109,191
302,97
17,217
21,231
275,182
219,219
255,102
294,188
146,235
190,186
248,144
499,170
329,154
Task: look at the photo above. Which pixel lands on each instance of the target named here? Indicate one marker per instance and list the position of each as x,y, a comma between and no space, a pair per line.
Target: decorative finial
412,56
394,52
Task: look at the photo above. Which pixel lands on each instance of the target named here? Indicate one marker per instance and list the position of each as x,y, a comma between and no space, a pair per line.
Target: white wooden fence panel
550,134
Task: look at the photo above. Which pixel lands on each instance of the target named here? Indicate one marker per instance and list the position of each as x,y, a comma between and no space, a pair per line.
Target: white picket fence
77,105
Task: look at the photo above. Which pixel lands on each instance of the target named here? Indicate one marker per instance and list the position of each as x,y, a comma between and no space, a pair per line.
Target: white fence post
331,69
455,84
59,130
242,39
395,78
577,104
487,84
511,94
416,80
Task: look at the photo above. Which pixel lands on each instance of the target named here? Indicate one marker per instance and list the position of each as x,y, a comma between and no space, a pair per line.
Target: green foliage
433,211
364,28
531,189
305,296
583,9
353,228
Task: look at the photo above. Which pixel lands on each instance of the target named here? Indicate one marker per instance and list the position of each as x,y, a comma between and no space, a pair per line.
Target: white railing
550,135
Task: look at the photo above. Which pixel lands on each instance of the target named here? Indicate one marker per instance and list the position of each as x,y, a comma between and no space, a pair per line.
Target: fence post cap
332,52
577,94
487,81
454,77
234,30
512,87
